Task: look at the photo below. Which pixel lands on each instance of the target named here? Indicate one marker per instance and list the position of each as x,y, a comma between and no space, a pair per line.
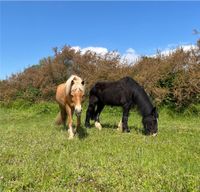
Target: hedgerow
172,80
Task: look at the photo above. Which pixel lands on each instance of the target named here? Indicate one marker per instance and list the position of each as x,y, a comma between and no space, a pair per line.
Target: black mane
140,97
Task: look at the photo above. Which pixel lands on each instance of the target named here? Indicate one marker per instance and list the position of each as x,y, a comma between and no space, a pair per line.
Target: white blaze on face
77,94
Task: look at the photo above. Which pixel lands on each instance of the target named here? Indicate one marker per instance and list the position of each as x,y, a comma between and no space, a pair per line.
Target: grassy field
35,155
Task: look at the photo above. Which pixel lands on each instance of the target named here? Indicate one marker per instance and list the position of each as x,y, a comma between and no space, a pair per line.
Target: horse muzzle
78,111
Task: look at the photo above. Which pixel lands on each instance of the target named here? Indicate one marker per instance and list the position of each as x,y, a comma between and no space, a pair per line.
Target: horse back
112,93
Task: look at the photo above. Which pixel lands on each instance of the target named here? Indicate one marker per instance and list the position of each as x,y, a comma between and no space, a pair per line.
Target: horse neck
146,111
144,105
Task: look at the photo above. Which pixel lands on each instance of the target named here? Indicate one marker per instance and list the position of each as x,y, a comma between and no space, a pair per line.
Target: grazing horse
126,93
69,96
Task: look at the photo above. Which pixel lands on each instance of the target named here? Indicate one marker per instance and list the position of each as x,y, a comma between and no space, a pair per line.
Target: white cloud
130,56
188,47
169,50
76,48
98,50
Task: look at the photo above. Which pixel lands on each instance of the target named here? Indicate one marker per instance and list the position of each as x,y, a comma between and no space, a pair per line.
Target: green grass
35,155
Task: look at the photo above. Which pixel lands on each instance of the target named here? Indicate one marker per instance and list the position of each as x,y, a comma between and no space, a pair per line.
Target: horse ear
83,82
72,82
75,78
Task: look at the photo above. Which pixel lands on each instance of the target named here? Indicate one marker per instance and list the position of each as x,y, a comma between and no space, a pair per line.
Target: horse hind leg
119,127
126,109
61,117
58,120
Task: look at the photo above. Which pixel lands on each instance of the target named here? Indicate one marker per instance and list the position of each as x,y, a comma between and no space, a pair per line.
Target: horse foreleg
100,107
90,110
126,109
78,123
70,121
88,116
90,113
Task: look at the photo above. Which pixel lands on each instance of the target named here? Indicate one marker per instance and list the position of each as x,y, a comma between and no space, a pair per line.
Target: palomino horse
69,96
126,93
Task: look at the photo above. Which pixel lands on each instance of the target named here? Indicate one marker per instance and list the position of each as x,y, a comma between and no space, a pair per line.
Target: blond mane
77,84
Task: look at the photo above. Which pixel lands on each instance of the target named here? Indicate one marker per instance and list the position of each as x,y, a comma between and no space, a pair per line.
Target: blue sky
29,30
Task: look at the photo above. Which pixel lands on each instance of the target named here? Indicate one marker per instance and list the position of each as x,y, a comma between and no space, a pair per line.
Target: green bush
44,108
193,109
21,104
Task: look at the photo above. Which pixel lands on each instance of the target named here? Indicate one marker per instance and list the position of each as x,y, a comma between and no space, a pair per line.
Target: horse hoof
87,125
154,134
119,129
98,125
70,137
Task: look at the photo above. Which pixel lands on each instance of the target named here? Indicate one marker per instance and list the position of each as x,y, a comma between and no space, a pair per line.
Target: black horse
127,93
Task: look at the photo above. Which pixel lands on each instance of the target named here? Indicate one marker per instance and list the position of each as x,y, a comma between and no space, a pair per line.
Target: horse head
77,94
150,123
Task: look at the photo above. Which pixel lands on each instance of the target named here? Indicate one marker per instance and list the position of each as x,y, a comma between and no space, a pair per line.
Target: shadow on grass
81,132
138,130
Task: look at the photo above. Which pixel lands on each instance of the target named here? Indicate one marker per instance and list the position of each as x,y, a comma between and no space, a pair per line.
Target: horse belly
113,98
61,95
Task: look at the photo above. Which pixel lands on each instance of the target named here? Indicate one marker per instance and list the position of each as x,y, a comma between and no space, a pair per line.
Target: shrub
172,80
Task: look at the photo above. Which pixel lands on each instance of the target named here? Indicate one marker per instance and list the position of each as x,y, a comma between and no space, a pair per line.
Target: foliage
37,156
172,79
